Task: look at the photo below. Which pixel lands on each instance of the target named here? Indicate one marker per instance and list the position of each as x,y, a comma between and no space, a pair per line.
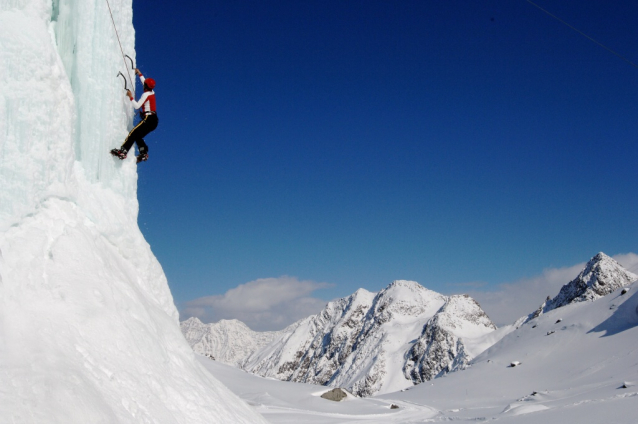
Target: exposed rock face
317,346
440,348
366,343
601,276
433,353
390,325
373,344
336,395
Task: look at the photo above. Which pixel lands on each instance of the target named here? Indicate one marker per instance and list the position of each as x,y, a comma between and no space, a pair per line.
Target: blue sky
351,143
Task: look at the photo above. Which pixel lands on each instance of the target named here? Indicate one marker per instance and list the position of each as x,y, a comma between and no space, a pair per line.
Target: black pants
137,134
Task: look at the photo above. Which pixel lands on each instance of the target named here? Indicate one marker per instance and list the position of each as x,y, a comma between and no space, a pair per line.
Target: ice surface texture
88,329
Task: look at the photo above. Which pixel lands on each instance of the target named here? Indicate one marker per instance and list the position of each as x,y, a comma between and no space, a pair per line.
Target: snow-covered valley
575,374
576,363
368,343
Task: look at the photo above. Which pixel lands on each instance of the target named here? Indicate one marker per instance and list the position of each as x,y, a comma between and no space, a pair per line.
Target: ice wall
61,106
88,329
36,113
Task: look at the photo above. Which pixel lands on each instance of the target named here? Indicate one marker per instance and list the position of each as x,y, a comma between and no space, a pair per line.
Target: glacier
88,328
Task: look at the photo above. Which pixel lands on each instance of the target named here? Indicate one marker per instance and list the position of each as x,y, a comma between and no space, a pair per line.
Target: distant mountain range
227,341
374,343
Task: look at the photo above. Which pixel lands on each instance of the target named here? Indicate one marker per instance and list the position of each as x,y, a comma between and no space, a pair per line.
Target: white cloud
274,303
629,261
514,300
263,304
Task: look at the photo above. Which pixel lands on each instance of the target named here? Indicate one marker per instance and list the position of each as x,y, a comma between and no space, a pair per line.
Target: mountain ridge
601,276
229,341
375,343
360,342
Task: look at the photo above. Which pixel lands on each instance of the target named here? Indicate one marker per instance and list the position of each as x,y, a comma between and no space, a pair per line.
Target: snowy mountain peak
361,342
440,347
362,292
361,296
406,290
408,284
192,321
464,315
602,270
601,276
406,298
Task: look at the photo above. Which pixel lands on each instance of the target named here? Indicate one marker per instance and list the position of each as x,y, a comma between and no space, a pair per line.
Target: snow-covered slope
582,370
602,275
364,342
574,362
227,341
299,403
88,329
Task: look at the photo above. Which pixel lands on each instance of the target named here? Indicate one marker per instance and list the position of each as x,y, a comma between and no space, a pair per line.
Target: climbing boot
142,157
119,153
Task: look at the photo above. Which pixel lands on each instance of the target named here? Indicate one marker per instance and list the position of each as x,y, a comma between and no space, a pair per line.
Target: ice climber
148,123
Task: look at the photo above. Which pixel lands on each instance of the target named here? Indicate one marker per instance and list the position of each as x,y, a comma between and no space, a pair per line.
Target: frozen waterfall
88,328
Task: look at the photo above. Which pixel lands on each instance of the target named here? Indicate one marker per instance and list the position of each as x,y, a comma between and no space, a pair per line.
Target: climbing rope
122,50
583,34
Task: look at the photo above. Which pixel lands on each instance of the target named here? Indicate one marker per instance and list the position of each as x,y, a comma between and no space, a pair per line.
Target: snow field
368,343
82,329
286,402
584,362
577,363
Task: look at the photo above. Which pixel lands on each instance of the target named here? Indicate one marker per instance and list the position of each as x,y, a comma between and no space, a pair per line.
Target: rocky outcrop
440,347
601,276
336,395
316,347
374,343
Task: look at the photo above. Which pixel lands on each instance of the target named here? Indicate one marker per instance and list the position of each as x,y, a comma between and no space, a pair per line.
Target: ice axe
120,73
125,83
129,58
